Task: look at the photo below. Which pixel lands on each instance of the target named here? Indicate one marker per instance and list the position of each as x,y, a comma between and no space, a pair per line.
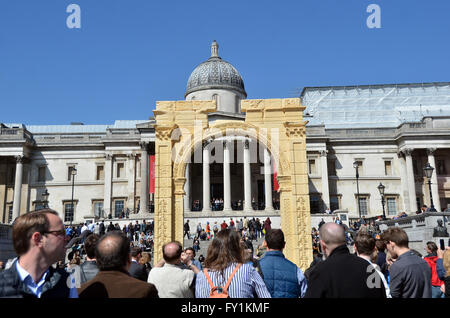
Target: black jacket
55,285
138,271
344,275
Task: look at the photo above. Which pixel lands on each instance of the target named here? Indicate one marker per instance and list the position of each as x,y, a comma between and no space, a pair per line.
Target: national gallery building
357,137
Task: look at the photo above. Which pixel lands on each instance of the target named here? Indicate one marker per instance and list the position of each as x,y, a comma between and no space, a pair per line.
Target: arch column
434,181
247,178
226,177
17,187
411,182
268,180
206,204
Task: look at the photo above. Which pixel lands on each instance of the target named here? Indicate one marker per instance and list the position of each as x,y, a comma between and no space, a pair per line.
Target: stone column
268,180
325,184
144,178
206,185
226,178
434,181
411,182
187,189
17,187
108,185
131,188
247,178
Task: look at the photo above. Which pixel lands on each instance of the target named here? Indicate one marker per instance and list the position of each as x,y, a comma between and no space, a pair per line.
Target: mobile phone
441,241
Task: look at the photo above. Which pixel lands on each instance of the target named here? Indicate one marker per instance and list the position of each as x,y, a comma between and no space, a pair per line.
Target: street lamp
73,173
428,169
356,166
45,198
381,188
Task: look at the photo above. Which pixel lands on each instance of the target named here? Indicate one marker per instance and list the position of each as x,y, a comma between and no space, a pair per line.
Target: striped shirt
246,283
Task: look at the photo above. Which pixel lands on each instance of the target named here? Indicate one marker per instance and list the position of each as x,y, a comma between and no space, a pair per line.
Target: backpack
219,291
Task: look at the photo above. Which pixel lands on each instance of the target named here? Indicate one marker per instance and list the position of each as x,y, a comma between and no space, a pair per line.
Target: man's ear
36,238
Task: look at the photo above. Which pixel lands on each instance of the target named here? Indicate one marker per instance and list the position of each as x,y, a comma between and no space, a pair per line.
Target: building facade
98,171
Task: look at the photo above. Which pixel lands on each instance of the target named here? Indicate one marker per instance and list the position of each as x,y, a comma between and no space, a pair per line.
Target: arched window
238,104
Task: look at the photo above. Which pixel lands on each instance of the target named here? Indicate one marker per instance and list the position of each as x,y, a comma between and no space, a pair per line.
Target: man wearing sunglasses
39,239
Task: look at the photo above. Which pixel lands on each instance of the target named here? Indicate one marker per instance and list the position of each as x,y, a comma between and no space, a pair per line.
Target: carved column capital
323,153
430,151
19,159
247,144
408,151
144,145
108,156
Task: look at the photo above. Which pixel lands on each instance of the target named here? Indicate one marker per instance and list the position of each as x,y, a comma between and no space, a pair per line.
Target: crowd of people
216,204
379,267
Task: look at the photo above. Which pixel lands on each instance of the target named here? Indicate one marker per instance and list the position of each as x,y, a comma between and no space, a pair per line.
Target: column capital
19,159
144,145
108,156
247,144
430,151
131,155
323,153
408,151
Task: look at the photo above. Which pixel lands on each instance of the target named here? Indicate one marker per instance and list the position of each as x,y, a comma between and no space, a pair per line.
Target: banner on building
152,174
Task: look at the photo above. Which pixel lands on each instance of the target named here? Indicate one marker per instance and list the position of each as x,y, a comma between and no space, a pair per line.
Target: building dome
215,73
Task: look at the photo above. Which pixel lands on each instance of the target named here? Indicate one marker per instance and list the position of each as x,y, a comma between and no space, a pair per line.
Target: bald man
113,280
170,276
341,275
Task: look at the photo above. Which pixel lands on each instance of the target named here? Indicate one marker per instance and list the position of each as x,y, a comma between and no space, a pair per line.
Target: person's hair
27,224
146,258
224,249
432,247
380,245
365,243
135,251
275,239
446,262
89,245
190,249
112,251
396,235
172,257
75,261
332,234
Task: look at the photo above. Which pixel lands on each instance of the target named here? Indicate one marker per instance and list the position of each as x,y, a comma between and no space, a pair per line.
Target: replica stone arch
182,126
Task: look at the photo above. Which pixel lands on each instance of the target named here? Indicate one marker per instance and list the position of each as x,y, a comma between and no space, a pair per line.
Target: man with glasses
39,239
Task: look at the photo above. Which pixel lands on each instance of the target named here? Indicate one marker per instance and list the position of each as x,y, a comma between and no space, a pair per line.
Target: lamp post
381,188
45,198
355,165
73,173
428,169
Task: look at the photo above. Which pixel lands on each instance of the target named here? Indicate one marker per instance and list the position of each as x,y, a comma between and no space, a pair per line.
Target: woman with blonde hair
227,257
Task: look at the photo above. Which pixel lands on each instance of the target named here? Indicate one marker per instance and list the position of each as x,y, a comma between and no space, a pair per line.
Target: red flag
152,174
276,186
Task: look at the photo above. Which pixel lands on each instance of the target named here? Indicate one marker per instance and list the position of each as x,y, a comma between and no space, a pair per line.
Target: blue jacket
282,276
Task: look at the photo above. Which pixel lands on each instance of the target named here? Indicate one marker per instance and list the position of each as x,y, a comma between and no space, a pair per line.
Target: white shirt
36,289
172,281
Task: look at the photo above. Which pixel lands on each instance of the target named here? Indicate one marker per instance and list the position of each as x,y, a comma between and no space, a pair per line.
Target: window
120,170
119,206
68,211
98,209
387,168
440,167
334,203
314,202
238,104
360,166
216,98
391,206
312,166
100,173
9,208
41,173
332,167
363,206
69,172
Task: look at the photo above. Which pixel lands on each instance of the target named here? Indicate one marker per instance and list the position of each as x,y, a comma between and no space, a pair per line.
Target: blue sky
129,54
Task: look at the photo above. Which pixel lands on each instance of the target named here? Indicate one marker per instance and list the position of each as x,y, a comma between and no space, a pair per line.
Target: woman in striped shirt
224,254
